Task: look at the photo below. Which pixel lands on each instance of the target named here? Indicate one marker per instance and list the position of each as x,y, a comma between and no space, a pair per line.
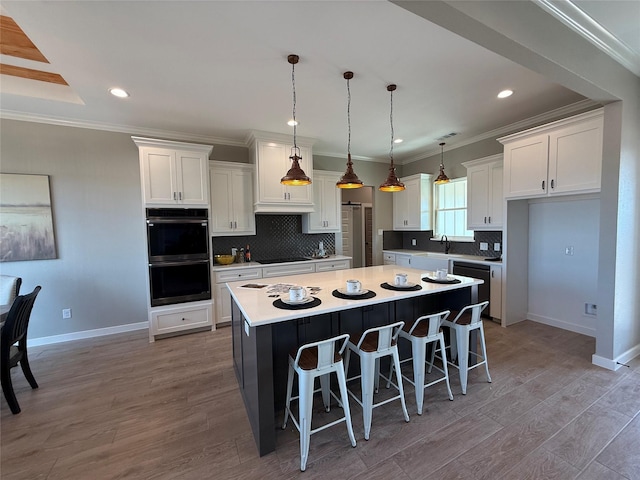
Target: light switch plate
484,246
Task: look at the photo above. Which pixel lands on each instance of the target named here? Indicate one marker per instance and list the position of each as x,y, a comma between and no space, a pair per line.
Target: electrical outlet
484,246
568,250
590,309
496,247
380,231
66,313
413,242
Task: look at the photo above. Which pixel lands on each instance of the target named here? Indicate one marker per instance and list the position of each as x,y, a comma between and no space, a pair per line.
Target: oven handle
151,221
177,263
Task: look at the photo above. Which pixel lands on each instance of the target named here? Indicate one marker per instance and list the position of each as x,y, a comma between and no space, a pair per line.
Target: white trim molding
98,332
618,362
577,20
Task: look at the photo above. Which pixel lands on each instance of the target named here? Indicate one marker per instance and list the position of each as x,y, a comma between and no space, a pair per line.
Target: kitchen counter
449,256
330,258
257,309
263,335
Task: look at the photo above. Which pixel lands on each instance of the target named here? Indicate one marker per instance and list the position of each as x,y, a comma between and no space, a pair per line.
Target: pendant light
349,179
295,176
392,183
442,178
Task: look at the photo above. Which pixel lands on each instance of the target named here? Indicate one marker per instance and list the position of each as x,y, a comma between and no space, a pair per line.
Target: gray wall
100,272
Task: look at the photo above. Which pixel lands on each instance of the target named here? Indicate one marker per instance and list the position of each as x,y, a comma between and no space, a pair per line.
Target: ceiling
212,71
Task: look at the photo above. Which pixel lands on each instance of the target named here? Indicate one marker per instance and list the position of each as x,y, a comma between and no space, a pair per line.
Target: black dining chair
13,345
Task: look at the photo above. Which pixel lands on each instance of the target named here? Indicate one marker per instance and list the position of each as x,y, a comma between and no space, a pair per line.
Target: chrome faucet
447,245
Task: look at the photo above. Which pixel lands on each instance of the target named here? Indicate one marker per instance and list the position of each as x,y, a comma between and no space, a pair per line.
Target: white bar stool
314,360
425,330
372,345
467,320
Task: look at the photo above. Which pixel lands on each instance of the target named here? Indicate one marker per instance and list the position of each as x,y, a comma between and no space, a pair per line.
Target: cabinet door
223,304
413,206
401,207
192,176
273,164
221,201
242,203
159,177
403,260
575,158
496,197
525,167
478,197
495,300
327,197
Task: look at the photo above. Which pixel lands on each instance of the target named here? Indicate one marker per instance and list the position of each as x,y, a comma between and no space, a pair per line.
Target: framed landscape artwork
26,220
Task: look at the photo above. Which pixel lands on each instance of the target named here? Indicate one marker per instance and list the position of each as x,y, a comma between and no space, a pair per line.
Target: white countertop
330,258
258,308
450,256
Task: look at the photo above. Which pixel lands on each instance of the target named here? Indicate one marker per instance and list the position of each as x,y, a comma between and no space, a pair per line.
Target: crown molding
578,21
109,127
549,116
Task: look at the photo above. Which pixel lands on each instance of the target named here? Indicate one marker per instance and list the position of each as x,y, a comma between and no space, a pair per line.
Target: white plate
406,285
297,302
436,279
344,291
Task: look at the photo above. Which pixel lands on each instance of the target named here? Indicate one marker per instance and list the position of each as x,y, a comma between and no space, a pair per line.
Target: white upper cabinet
327,214
174,173
270,153
231,199
484,193
563,157
412,207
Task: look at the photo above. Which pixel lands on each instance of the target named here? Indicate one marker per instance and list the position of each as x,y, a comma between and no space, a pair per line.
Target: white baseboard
617,362
554,322
98,332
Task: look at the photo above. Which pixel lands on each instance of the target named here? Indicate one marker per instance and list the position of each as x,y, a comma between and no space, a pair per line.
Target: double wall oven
178,248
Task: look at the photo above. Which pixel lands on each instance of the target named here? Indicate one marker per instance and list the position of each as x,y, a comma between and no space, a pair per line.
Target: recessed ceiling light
118,92
505,93
292,123
398,140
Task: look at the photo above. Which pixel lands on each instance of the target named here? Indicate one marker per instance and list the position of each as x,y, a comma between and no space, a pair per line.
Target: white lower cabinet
180,317
223,297
288,269
495,300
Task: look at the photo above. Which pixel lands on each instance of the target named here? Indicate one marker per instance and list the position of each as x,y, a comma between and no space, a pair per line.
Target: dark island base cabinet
260,354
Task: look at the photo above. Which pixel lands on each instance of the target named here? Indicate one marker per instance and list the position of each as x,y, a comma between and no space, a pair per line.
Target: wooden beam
15,43
32,74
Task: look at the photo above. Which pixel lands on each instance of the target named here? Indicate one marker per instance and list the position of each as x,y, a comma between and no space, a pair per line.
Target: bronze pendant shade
442,178
349,179
295,176
392,183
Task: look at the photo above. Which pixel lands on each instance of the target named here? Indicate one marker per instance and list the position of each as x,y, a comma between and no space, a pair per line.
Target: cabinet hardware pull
235,224
183,319
174,196
230,224
493,274
489,219
552,183
179,195
543,185
485,219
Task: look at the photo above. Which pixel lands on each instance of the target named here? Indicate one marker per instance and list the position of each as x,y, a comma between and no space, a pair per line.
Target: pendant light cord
349,117
391,121
293,82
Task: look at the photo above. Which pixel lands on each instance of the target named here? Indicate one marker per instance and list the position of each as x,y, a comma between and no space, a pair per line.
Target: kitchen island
263,335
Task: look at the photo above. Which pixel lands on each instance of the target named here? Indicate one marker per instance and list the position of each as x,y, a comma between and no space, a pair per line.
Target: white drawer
389,258
238,274
175,319
282,270
328,266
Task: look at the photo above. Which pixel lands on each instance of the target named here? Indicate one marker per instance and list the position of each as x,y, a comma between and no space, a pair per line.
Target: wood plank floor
118,407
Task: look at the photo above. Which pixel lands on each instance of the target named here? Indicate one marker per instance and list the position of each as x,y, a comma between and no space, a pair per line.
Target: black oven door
177,239
178,282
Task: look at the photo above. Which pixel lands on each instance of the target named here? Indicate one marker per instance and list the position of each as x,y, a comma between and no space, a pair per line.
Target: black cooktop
282,260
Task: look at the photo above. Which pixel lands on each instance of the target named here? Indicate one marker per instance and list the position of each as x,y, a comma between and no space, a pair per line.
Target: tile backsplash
277,236
403,240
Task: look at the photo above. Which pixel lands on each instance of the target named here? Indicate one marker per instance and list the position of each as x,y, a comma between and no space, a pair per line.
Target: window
451,209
